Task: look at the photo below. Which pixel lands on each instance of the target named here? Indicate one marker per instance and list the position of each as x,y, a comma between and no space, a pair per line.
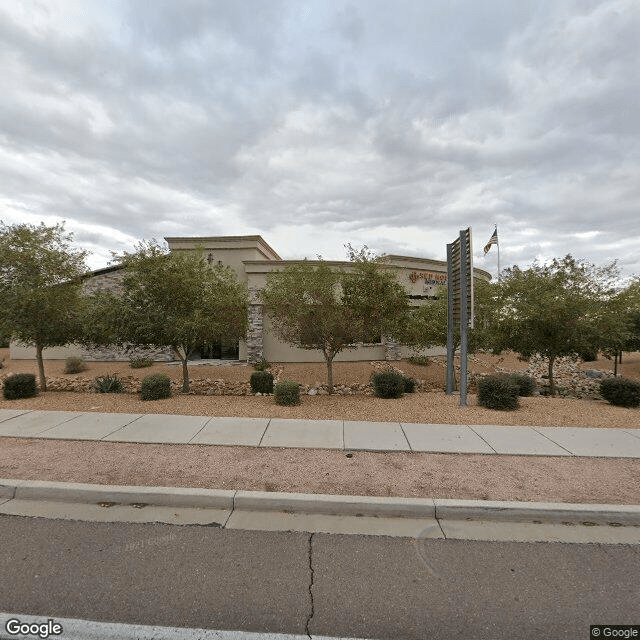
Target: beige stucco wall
252,259
232,251
19,351
277,351
419,277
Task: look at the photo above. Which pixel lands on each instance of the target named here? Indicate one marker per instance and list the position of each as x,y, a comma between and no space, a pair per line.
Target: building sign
429,277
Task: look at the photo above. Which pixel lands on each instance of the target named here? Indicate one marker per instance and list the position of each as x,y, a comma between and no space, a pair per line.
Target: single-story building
253,259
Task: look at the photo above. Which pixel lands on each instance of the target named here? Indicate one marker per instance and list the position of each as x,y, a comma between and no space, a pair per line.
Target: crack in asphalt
444,535
312,611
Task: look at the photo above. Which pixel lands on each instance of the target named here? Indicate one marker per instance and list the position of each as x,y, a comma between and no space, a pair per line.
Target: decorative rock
594,373
570,381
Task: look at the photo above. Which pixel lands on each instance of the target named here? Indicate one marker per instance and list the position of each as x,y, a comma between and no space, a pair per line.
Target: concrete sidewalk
323,434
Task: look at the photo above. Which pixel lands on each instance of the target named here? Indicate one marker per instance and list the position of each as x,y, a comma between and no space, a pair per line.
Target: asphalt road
348,586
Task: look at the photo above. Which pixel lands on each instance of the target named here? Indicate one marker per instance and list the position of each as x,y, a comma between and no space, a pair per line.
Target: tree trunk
185,374
615,365
329,373
43,379
620,362
552,386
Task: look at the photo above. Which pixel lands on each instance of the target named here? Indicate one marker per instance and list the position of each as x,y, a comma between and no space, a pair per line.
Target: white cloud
387,124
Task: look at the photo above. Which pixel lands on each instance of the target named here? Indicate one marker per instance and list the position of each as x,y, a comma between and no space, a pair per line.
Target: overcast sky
390,123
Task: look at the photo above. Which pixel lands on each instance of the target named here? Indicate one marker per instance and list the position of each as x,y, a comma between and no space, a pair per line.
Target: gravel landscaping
429,408
481,477
423,407
531,478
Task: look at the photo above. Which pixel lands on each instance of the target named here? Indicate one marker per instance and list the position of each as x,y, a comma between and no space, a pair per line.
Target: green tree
173,300
633,343
315,306
5,338
557,309
631,311
40,287
427,326
623,314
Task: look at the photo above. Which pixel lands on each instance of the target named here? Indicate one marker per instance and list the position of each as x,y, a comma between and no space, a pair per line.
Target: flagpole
498,245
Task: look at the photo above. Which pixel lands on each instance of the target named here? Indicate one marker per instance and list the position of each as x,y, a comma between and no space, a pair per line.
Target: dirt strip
487,477
429,408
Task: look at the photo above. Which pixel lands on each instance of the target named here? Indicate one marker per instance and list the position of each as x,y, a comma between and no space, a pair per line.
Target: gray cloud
314,124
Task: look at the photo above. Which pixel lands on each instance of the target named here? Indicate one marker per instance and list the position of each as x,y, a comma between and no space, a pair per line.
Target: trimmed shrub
588,356
261,365
108,384
621,392
140,363
74,365
261,382
526,384
20,385
388,384
409,384
423,361
155,387
287,392
498,392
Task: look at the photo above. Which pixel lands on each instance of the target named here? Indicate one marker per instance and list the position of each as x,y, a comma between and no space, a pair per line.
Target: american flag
492,240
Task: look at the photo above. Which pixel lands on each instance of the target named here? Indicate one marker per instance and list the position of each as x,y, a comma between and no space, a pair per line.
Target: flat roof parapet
219,242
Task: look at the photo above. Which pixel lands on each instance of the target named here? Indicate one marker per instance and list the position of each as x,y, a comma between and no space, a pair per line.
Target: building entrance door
222,349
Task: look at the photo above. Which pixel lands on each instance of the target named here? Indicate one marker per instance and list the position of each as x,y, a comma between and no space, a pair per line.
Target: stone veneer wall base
255,334
392,349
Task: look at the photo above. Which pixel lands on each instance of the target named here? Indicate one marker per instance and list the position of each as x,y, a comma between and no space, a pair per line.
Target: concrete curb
555,512
93,493
335,504
441,509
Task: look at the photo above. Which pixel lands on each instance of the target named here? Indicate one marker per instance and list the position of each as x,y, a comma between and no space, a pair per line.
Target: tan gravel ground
432,407
489,477
429,408
343,372
317,471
